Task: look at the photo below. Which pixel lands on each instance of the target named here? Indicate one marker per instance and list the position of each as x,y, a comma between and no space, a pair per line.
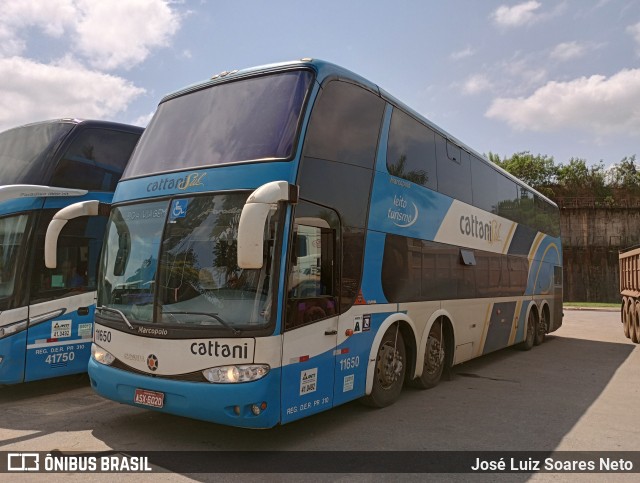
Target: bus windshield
248,119
173,262
23,149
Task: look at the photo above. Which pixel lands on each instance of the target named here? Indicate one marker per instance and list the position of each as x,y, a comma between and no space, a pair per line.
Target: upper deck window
245,120
95,159
411,152
23,151
344,125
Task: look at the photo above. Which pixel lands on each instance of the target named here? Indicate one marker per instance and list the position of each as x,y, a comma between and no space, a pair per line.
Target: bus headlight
232,374
102,356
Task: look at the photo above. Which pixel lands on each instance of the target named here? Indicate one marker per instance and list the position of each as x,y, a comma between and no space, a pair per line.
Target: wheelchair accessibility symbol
179,209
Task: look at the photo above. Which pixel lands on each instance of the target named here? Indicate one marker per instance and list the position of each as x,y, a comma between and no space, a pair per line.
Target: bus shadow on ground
505,401
46,387
492,403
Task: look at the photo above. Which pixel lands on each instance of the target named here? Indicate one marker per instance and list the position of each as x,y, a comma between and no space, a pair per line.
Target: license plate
149,398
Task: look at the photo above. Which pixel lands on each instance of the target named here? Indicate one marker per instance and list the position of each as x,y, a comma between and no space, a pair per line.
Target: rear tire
543,324
389,370
632,322
530,336
624,314
434,358
636,320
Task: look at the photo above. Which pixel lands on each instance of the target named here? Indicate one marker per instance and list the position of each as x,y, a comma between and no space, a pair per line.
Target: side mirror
82,208
253,217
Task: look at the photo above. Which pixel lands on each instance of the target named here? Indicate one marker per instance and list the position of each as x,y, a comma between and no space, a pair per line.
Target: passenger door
14,313
62,300
311,318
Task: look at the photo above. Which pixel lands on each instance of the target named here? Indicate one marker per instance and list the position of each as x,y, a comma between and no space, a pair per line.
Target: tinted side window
518,274
344,125
526,209
484,185
492,191
411,151
453,152
506,197
402,269
454,175
352,260
95,160
422,270
438,271
547,217
445,275
340,186
79,248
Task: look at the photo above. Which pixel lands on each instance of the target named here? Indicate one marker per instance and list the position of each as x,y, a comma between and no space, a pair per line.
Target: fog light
236,409
256,409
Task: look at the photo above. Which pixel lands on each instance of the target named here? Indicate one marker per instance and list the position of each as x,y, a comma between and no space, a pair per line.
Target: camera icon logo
23,462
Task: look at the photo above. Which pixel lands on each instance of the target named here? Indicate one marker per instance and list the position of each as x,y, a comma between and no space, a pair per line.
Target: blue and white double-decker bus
290,237
46,316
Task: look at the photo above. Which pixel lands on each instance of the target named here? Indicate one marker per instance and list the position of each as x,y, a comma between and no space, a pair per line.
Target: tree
625,175
537,171
574,179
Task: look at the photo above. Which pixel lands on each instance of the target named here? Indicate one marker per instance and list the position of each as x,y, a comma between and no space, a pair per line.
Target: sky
559,78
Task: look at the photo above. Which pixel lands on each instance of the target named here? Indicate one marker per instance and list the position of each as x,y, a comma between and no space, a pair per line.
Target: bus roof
325,71
85,122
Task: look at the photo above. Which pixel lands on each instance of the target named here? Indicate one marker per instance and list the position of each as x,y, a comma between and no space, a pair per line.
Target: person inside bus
72,277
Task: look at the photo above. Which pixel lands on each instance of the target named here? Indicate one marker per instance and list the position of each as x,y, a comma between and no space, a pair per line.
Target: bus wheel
631,318
636,322
532,329
624,314
388,371
543,325
434,357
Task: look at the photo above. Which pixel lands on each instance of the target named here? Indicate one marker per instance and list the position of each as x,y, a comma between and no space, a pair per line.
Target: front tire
389,370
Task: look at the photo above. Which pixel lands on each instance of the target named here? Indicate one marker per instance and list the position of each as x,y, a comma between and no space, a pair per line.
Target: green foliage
574,174
625,175
575,178
537,170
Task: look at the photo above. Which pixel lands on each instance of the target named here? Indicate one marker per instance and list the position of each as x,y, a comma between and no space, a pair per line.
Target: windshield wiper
116,311
213,316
